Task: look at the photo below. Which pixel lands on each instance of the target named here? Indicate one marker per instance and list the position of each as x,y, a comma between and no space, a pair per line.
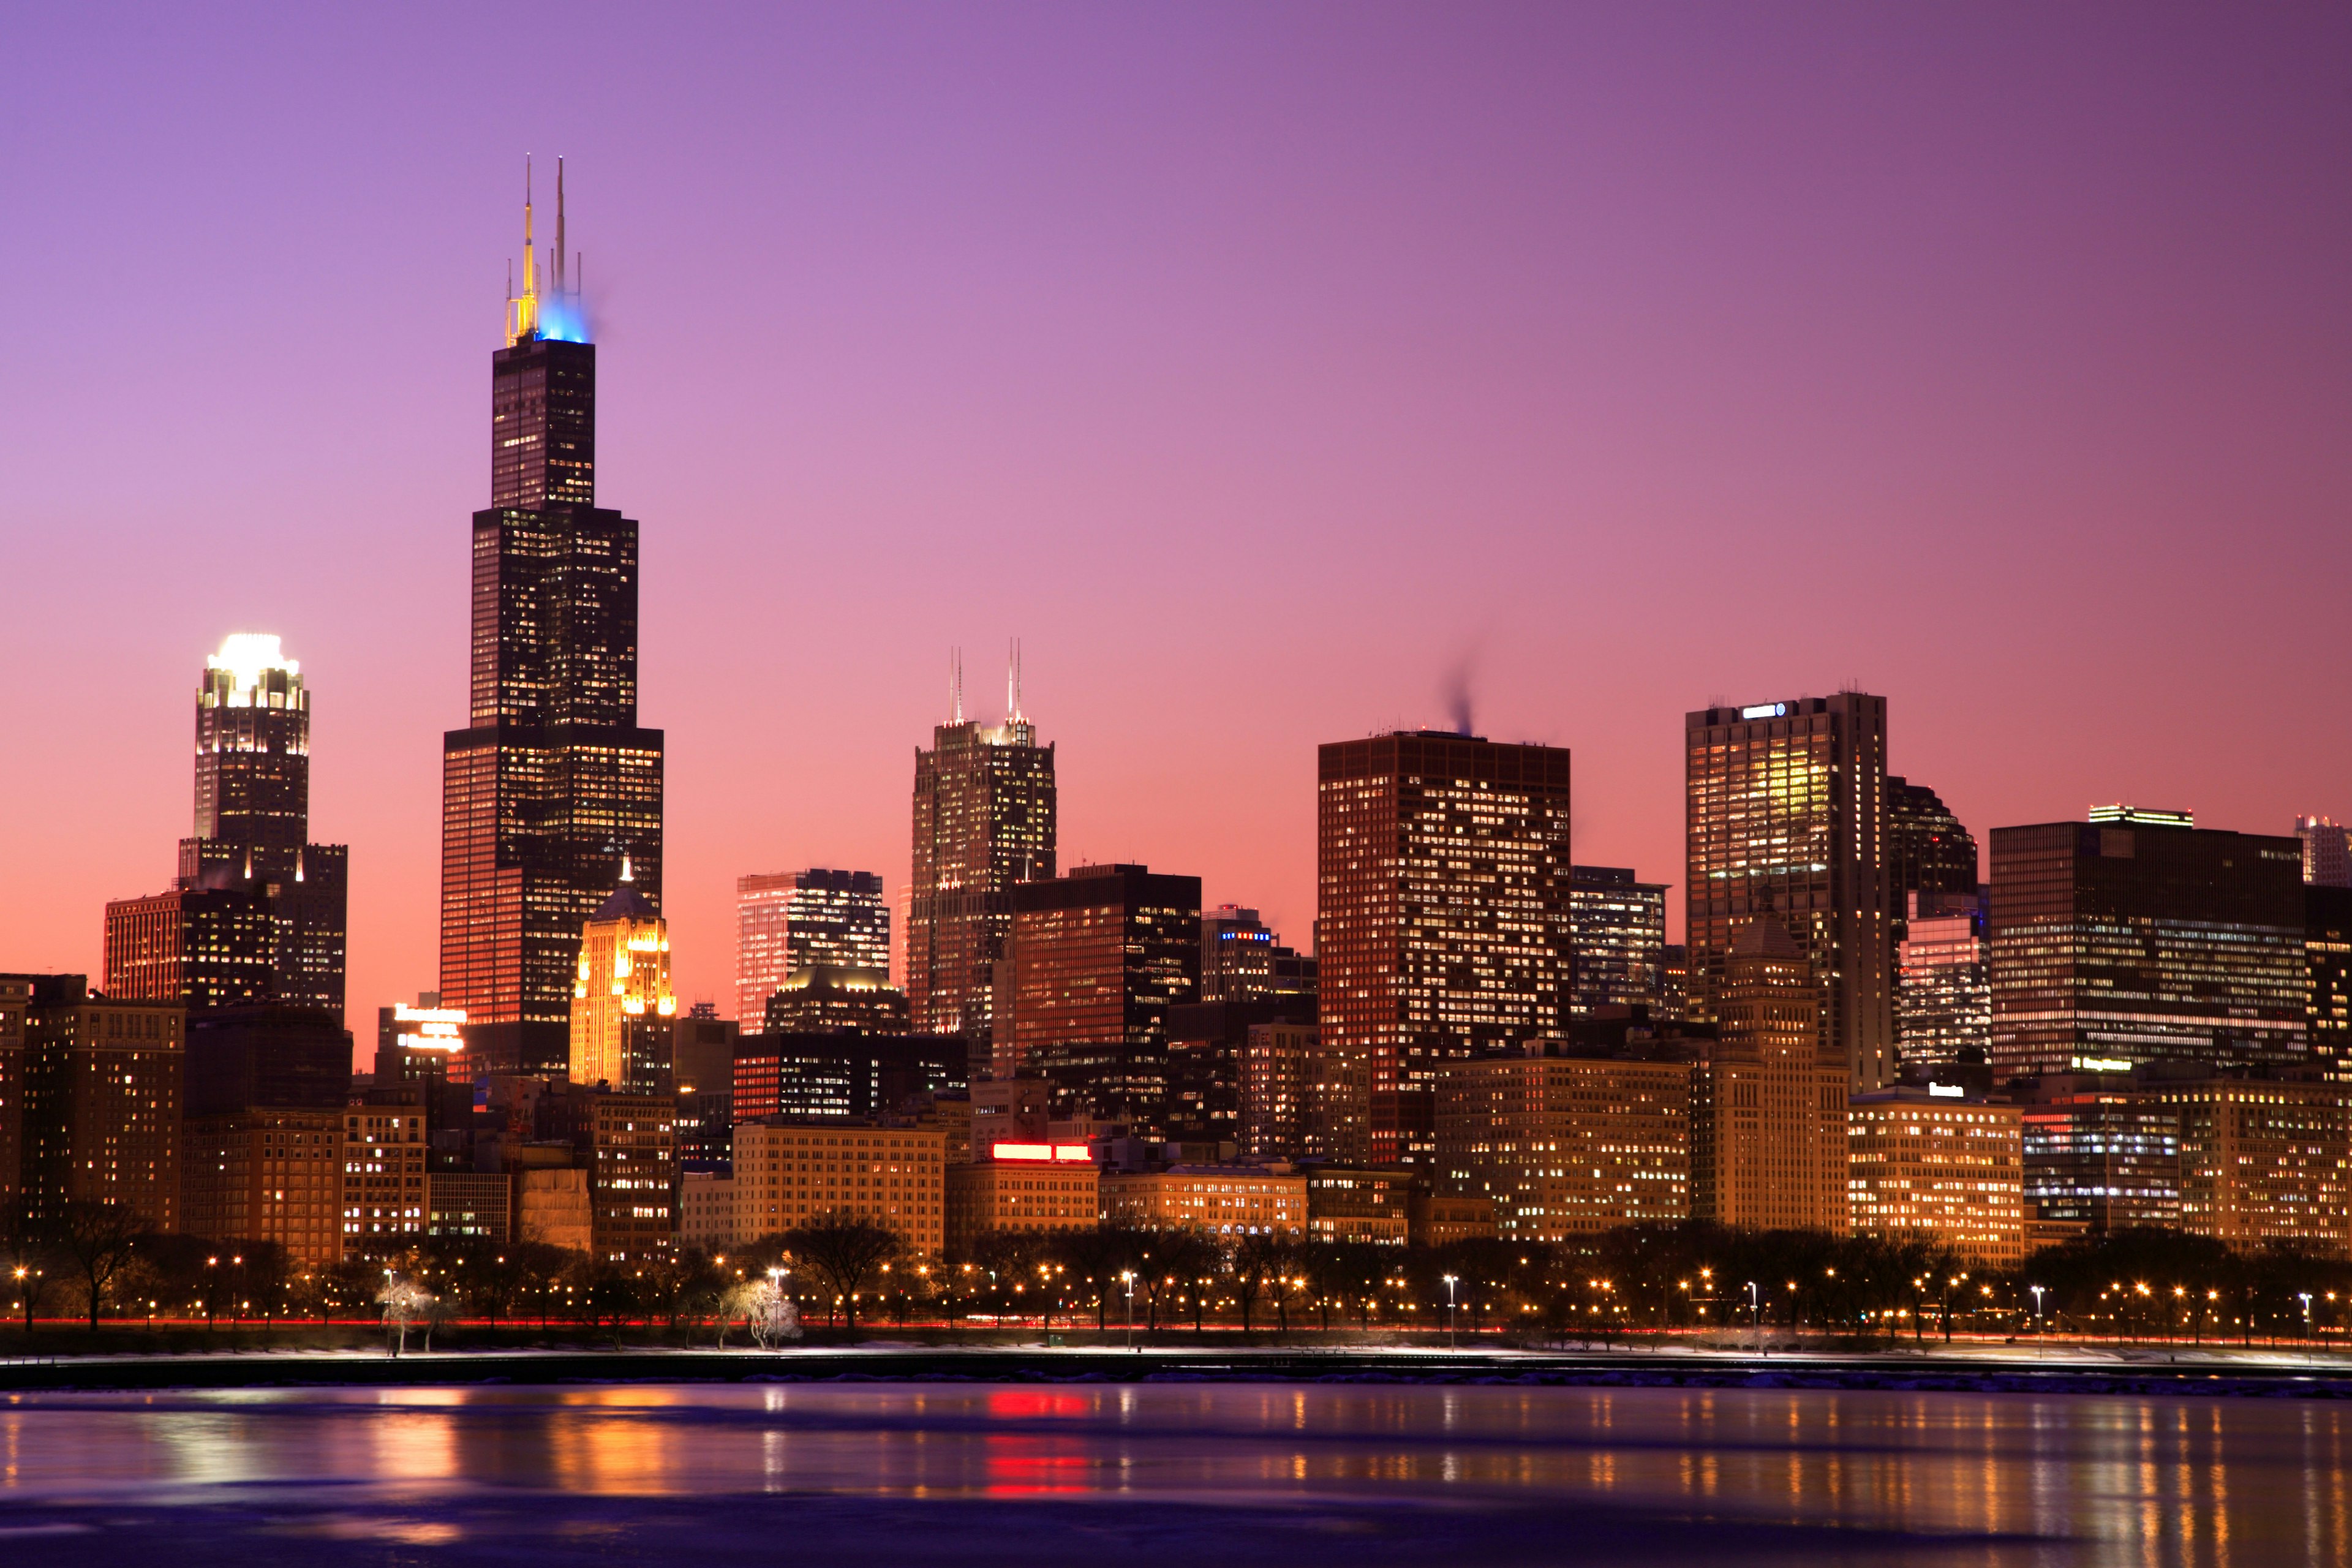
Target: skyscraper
623,1010
2137,938
1927,850
1095,960
1618,927
1768,1099
787,921
1943,992
1783,809
553,783
985,819
1442,879
2327,852
257,912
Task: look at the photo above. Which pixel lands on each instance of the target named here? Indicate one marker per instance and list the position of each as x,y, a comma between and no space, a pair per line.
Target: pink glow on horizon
1258,366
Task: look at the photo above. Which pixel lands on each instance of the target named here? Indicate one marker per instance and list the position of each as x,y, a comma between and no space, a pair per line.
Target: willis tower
551,794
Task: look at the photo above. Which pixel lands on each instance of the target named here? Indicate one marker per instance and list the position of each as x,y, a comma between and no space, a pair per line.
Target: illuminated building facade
1280,1079
1444,925
628,1145
1618,932
553,784
1569,1143
2327,971
983,820
1371,1205
468,1202
824,998
1096,959
789,1172
789,921
2098,1154
856,1076
1221,1200
1784,808
1943,988
102,1111
1243,959
203,948
2327,852
1033,1189
1768,1097
2136,940
2262,1160
384,1153
623,1009
1932,1160
267,1175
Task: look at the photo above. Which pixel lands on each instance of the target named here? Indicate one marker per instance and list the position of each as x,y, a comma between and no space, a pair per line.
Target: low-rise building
1032,1188
1568,1140
1933,1159
790,1171
706,1211
2263,1160
468,1202
267,1175
552,1206
1358,1203
384,1179
2099,1156
1223,1200
1440,1219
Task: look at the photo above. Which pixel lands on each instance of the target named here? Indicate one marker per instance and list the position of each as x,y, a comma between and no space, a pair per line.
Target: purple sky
1258,366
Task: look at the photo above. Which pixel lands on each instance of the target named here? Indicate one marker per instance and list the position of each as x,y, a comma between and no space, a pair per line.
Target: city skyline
1126,635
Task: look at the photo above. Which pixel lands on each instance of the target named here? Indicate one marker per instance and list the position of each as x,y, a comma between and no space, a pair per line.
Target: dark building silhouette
1785,809
1442,923
1214,1082
825,998
832,1075
985,819
15,1002
552,786
1096,959
2138,938
2328,966
1927,850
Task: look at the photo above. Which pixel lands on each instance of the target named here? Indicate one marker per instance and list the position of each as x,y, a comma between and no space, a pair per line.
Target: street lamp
2037,1291
1755,1314
1128,1275
2305,1296
1449,1312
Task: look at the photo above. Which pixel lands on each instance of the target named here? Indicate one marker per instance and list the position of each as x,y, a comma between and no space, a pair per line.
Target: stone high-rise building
553,784
624,1012
102,1110
1768,1098
985,819
1444,926
1785,811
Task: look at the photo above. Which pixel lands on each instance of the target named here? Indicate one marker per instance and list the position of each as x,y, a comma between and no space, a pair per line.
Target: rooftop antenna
955,686
524,312
1012,679
559,223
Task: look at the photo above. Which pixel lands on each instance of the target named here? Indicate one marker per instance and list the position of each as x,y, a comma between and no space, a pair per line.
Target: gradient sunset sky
1263,368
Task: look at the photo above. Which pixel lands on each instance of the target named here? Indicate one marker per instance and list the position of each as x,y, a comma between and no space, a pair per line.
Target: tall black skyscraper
552,785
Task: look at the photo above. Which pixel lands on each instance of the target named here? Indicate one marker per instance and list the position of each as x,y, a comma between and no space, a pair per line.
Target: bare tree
100,1239
845,1253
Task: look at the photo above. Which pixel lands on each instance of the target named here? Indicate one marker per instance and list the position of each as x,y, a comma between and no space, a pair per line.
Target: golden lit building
2262,1160
622,1005
1223,1200
1361,1202
1930,1160
1565,1143
1768,1096
788,1172
267,1175
1033,1188
384,1179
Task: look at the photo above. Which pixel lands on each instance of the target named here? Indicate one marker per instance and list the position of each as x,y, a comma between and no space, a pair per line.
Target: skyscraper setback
1784,807
985,819
1442,898
553,783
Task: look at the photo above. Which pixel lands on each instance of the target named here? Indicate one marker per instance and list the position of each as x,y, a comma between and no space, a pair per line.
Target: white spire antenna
627,875
1011,680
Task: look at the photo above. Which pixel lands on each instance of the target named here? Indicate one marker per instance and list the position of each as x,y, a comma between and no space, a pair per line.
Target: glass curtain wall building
1618,932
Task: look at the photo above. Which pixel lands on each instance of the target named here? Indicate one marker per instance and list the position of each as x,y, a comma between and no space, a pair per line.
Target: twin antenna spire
564,269
1011,683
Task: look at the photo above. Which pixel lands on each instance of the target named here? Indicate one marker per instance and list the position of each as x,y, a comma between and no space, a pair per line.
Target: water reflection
2123,1479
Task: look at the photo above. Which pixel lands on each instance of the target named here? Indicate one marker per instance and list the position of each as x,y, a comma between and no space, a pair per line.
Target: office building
1241,959
1617,929
788,922
15,1004
1673,1004
1943,988
2327,852
2263,1160
627,1143
706,1209
1927,850
2328,977
262,1154
1784,804
1224,1201
1569,1140
2136,938
469,1203
1443,927
553,784
828,999
1095,960
1280,1091
1208,1060
983,820
2098,1155
791,1172
1768,1096
1373,1206
1030,1189
202,948
850,1076
624,1012
384,1152
1933,1159
703,1063
102,1115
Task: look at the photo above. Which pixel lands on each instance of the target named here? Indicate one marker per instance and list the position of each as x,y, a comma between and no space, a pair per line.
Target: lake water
1218,1476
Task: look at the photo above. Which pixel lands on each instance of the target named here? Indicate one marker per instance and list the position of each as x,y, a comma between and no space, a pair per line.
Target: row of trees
841,1271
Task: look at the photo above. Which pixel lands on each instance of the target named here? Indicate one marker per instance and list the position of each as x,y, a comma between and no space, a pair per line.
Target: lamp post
2305,1296
1127,1276
1755,1314
1450,1343
2037,1320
